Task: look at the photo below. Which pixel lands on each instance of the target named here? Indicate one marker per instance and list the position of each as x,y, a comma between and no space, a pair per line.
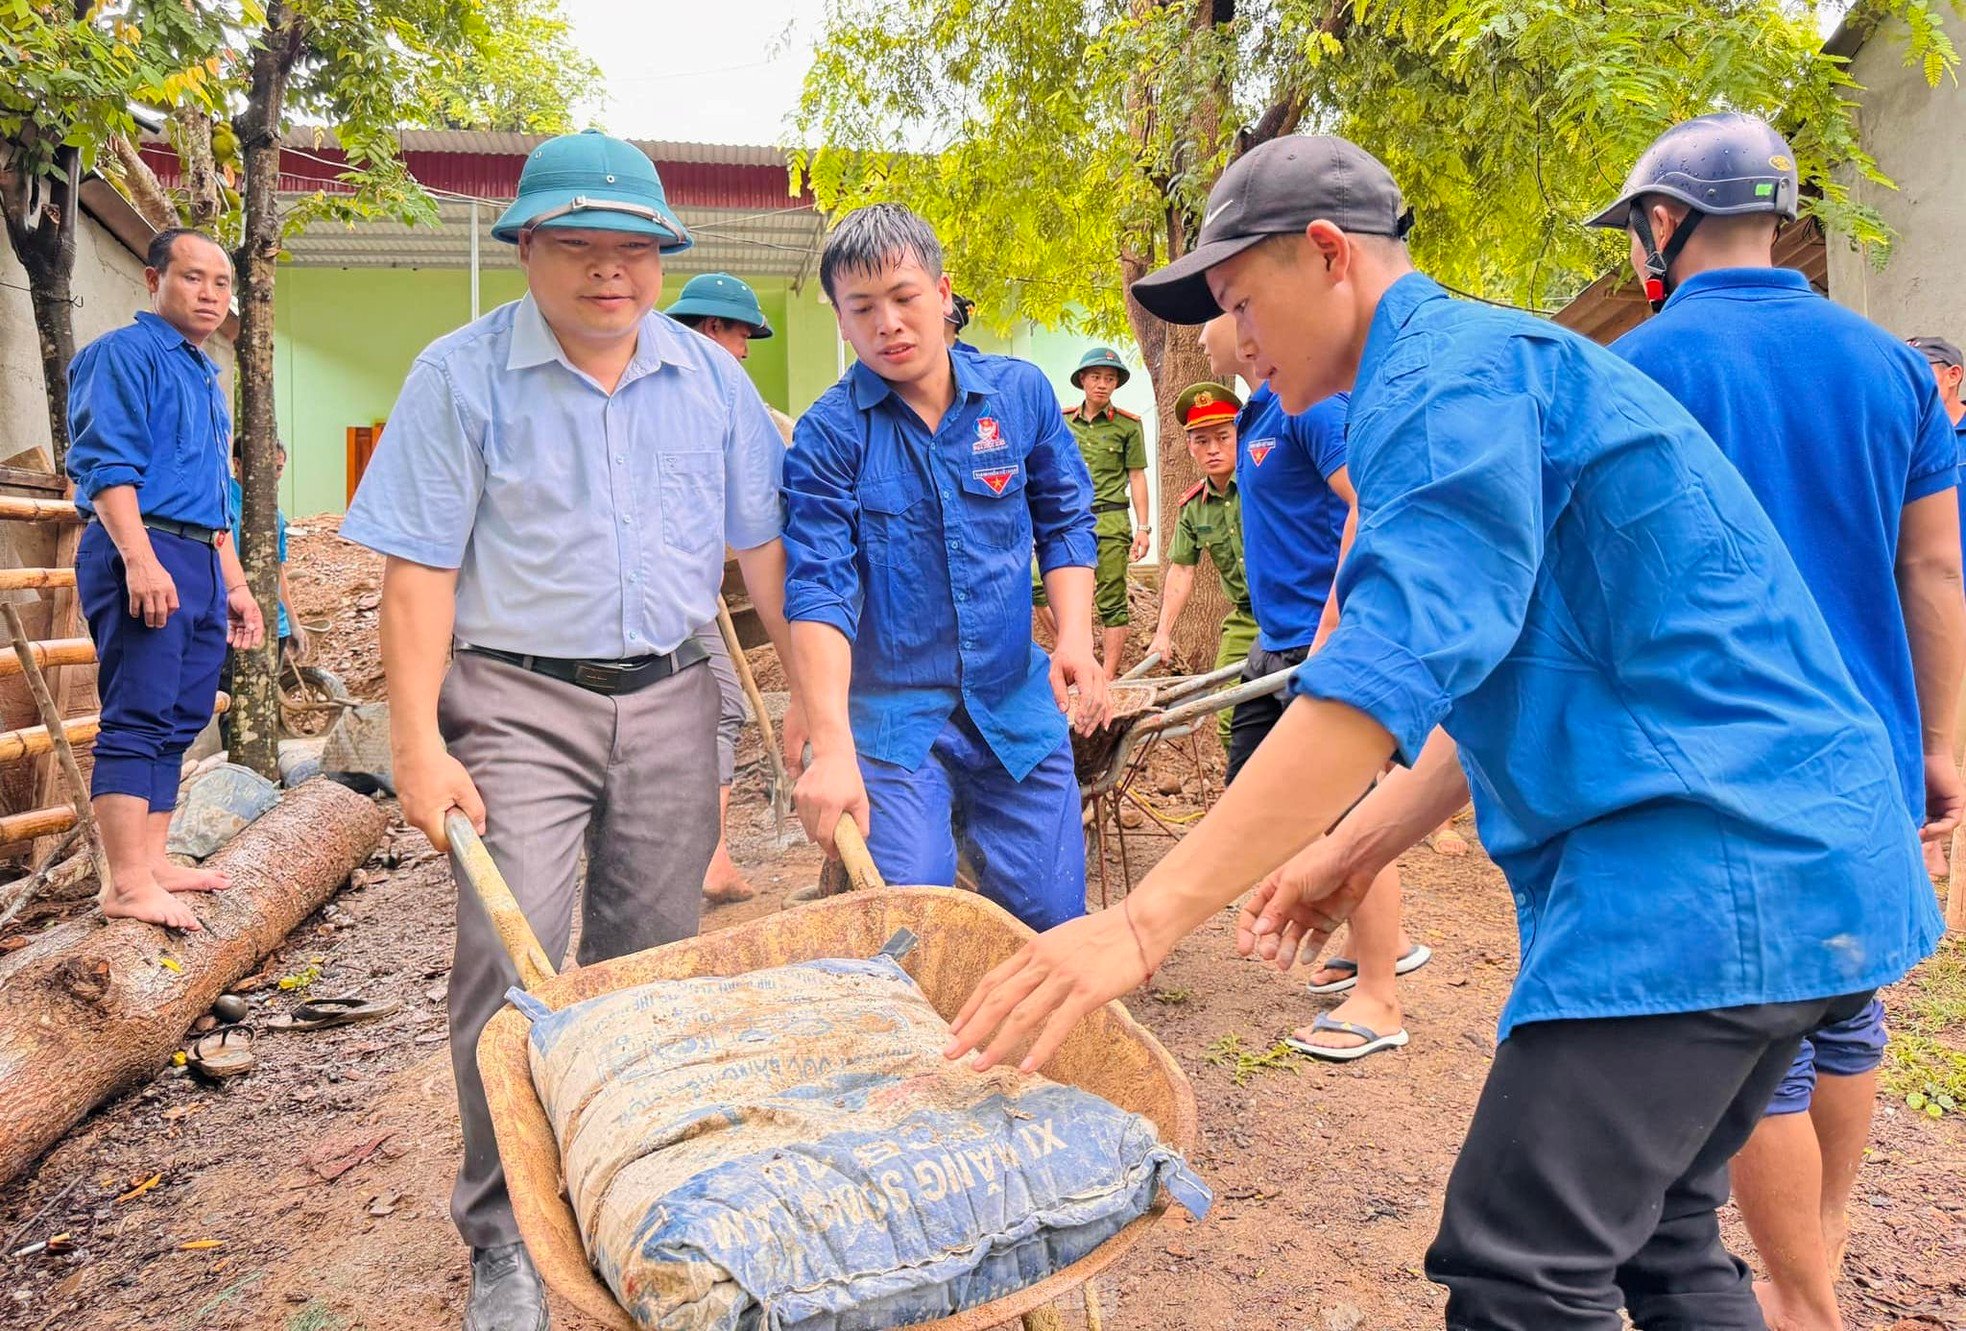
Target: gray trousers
731,711
627,779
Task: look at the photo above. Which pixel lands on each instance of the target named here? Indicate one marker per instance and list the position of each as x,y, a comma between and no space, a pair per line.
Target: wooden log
88,1009
71,776
33,740
14,508
36,822
52,653
35,579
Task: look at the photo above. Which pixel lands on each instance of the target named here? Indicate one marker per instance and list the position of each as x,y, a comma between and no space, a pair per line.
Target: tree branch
141,186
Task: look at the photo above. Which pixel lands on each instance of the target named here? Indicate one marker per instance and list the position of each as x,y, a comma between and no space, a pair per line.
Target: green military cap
721,296
1101,358
1206,404
589,180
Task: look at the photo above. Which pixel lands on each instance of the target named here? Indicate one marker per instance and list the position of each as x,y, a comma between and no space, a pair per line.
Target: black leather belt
611,678
1110,506
202,535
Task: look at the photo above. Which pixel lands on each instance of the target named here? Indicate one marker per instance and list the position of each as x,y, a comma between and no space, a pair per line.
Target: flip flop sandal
1374,1042
1415,957
319,1014
222,1053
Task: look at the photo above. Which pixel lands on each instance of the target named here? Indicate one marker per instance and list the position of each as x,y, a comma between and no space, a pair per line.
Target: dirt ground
310,1195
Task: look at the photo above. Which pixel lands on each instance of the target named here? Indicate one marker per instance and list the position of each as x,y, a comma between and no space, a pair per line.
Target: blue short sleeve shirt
1292,520
916,545
1693,805
582,523
1836,425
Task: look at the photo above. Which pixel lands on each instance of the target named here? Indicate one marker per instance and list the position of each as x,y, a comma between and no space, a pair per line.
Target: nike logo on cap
1216,212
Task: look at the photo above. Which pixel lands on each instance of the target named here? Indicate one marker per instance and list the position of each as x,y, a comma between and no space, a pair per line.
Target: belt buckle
599,677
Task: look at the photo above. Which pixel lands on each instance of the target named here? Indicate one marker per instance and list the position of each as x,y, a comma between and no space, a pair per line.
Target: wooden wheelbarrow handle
474,866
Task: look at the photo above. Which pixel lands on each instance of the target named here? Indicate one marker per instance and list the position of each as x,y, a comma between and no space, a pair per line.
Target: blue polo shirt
1292,521
917,546
1837,426
1959,434
146,409
1693,805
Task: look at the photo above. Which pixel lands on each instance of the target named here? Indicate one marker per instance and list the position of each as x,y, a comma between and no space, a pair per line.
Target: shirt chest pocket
692,493
892,508
993,502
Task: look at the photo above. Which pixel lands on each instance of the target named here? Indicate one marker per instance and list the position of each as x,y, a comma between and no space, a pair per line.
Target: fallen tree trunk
88,1009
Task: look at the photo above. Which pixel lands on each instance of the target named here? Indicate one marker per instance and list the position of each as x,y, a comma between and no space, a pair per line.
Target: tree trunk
87,1010
254,731
40,217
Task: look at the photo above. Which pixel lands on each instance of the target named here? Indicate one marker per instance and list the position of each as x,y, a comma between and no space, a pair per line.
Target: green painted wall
345,337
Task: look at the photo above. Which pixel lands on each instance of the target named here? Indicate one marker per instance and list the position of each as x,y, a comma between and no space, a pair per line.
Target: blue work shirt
236,510
1959,435
1292,521
145,409
1836,425
917,547
582,523
1694,806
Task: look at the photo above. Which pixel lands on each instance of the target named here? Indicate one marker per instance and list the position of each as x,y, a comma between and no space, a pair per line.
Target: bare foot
1328,974
724,882
1446,841
1385,1018
183,878
144,900
1935,860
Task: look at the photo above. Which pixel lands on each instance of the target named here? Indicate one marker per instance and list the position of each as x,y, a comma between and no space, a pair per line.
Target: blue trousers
1024,836
157,685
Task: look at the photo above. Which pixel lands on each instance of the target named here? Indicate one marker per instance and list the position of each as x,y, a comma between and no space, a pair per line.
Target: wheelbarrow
962,937
1146,712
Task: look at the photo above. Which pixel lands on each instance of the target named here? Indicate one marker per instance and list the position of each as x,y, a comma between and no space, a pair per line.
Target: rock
205,1023
1131,817
1343,1317
357,750
230,1007
1169,783
217,806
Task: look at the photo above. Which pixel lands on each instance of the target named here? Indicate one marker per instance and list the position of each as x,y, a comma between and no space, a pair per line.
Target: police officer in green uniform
1115,449
1211,520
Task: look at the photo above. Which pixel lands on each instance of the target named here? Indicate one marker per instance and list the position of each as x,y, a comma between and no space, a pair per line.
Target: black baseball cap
1276,189
1937,350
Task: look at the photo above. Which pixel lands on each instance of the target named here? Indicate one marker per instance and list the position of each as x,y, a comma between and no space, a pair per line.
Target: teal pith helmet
721,296
589,180
1102,358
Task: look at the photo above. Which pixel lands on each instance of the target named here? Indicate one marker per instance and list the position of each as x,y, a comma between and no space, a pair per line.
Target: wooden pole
781,780
33,740
71,774
35,823
14,508
56,652
35,579
479,874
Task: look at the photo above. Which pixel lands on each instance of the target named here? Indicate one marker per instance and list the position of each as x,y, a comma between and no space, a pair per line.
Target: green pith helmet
721,296
1102,358
591,181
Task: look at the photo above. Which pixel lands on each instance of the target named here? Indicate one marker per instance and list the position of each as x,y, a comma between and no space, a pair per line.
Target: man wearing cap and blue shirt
1838,430
915,490
1562,596
554,496
725,310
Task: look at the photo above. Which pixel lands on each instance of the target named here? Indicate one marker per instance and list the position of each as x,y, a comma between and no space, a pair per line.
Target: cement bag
788,1150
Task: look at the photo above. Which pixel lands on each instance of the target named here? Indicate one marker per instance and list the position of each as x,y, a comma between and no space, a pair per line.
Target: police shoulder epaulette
1070,411
1194,489
1130,415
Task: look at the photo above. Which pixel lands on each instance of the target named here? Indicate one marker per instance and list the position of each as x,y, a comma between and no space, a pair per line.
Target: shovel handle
741,664
474,866
855,857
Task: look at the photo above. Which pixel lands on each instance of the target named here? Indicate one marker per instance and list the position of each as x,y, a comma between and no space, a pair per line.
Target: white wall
1917,134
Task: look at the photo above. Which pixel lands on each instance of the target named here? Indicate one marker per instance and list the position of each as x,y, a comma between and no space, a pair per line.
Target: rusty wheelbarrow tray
962,937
